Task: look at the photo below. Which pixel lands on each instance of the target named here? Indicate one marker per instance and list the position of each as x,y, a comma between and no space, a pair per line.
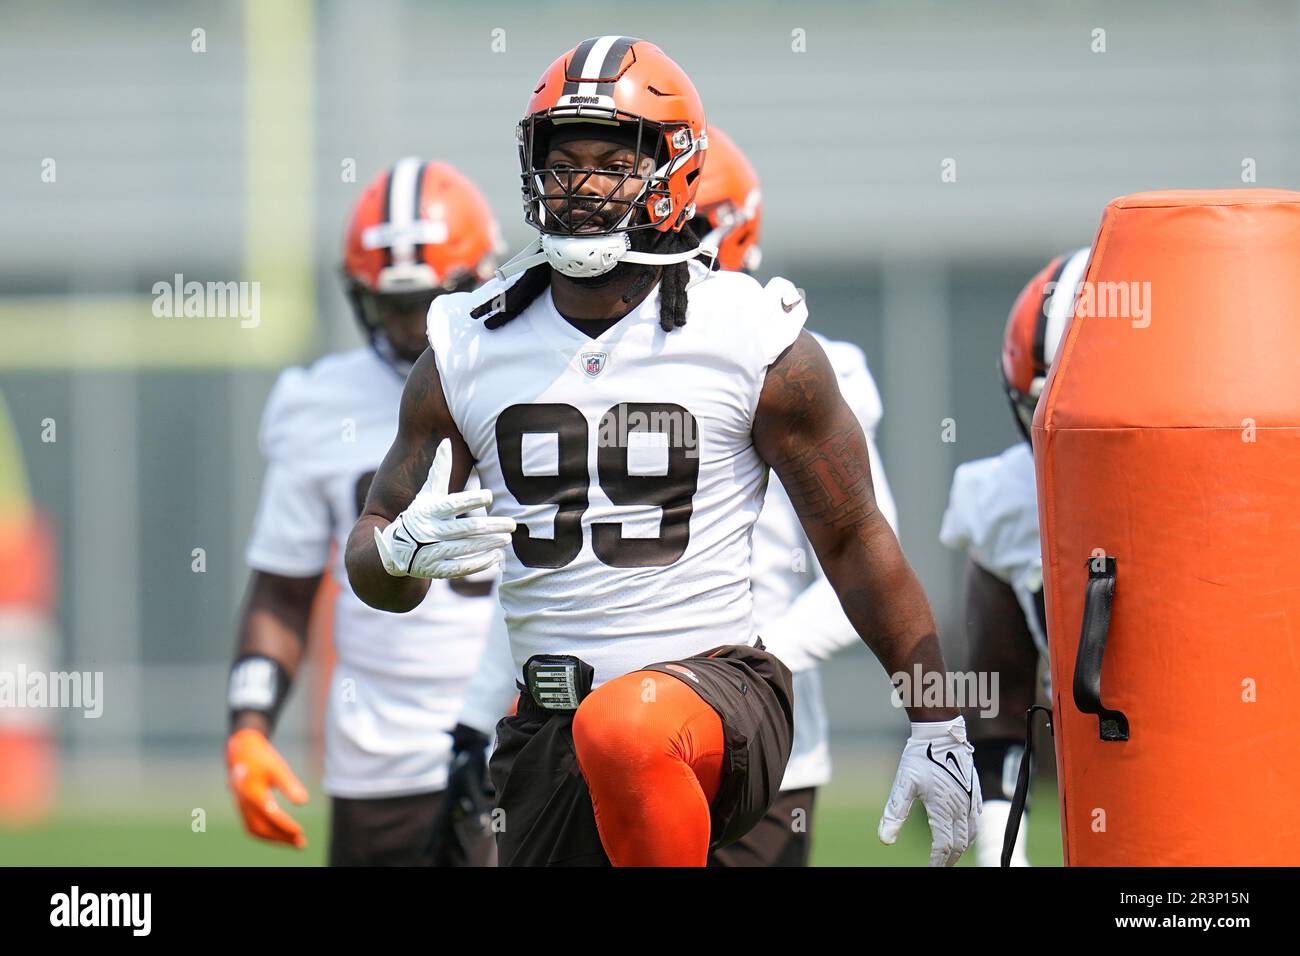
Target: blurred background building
919,161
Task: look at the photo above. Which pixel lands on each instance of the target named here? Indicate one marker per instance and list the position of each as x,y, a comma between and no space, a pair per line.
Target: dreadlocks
672,285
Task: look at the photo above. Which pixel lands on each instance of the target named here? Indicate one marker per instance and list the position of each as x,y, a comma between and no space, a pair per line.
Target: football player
419,230
795,608
992,515
622,407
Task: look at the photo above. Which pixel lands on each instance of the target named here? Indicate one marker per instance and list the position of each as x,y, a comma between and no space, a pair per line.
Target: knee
619,723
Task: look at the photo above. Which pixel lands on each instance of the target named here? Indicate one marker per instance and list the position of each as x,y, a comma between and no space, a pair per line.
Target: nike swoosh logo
403,535
967,788
790,306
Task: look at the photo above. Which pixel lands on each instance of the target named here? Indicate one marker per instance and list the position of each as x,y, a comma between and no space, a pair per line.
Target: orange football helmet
641,98
729,206
418,230
1034,330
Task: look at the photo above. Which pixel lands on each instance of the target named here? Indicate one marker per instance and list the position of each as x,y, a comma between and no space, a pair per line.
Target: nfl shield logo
593,363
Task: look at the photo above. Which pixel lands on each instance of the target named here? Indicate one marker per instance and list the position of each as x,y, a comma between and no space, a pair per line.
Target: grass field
844,829
161,834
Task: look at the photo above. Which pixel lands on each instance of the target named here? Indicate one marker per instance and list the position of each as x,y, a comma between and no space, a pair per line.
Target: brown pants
548,815
394,831
782,838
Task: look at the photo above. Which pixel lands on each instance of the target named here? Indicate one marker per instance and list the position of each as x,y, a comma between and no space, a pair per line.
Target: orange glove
255,767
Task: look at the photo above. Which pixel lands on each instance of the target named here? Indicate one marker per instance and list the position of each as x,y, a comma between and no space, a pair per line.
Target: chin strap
388,355
709,256
527,257
662,258
548,248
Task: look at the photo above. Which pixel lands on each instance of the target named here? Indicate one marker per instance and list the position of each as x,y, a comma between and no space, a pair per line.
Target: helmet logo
431,231
593,363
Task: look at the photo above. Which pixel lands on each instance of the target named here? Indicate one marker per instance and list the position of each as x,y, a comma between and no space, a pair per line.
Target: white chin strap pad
582,257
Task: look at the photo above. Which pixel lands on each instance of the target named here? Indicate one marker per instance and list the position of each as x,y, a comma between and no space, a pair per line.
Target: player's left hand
939,768
433,539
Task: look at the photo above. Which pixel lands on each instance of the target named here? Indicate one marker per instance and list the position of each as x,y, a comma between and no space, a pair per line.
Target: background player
627,565
795,608
29,639
993,516
419,230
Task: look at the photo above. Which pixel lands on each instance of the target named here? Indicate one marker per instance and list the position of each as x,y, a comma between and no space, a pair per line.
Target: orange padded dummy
1167,445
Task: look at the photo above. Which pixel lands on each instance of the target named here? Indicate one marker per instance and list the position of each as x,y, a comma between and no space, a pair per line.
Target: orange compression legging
651,751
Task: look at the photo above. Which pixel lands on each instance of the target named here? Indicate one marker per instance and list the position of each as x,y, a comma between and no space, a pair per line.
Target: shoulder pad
790,299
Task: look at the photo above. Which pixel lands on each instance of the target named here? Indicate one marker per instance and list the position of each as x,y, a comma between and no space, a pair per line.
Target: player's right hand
255,767
428,540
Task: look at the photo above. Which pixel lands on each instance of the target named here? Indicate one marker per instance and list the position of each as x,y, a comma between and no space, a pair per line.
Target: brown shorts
782,838
548,818
395,831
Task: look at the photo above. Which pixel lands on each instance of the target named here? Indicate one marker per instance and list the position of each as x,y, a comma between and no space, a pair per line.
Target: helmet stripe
603,58
614,59
403,206
576,64
1061,306
594,66
417,212
1040,317
383,209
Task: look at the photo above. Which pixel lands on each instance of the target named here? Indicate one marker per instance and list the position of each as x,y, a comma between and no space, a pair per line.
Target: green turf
844,831
77,840
844,835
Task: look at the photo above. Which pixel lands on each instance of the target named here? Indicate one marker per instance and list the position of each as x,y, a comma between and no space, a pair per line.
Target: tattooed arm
423,422
807,433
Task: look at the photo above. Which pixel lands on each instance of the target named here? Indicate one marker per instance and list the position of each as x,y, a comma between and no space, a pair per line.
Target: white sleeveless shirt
627,461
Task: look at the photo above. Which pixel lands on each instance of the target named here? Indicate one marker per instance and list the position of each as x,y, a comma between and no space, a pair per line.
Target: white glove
937,765
428,540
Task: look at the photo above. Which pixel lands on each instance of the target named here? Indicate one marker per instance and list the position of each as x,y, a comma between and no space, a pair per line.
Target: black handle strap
1022,783
1092,648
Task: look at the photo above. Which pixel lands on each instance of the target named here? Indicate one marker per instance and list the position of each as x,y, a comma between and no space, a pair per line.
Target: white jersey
399,678
627,461
993,516
492,689
796,609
